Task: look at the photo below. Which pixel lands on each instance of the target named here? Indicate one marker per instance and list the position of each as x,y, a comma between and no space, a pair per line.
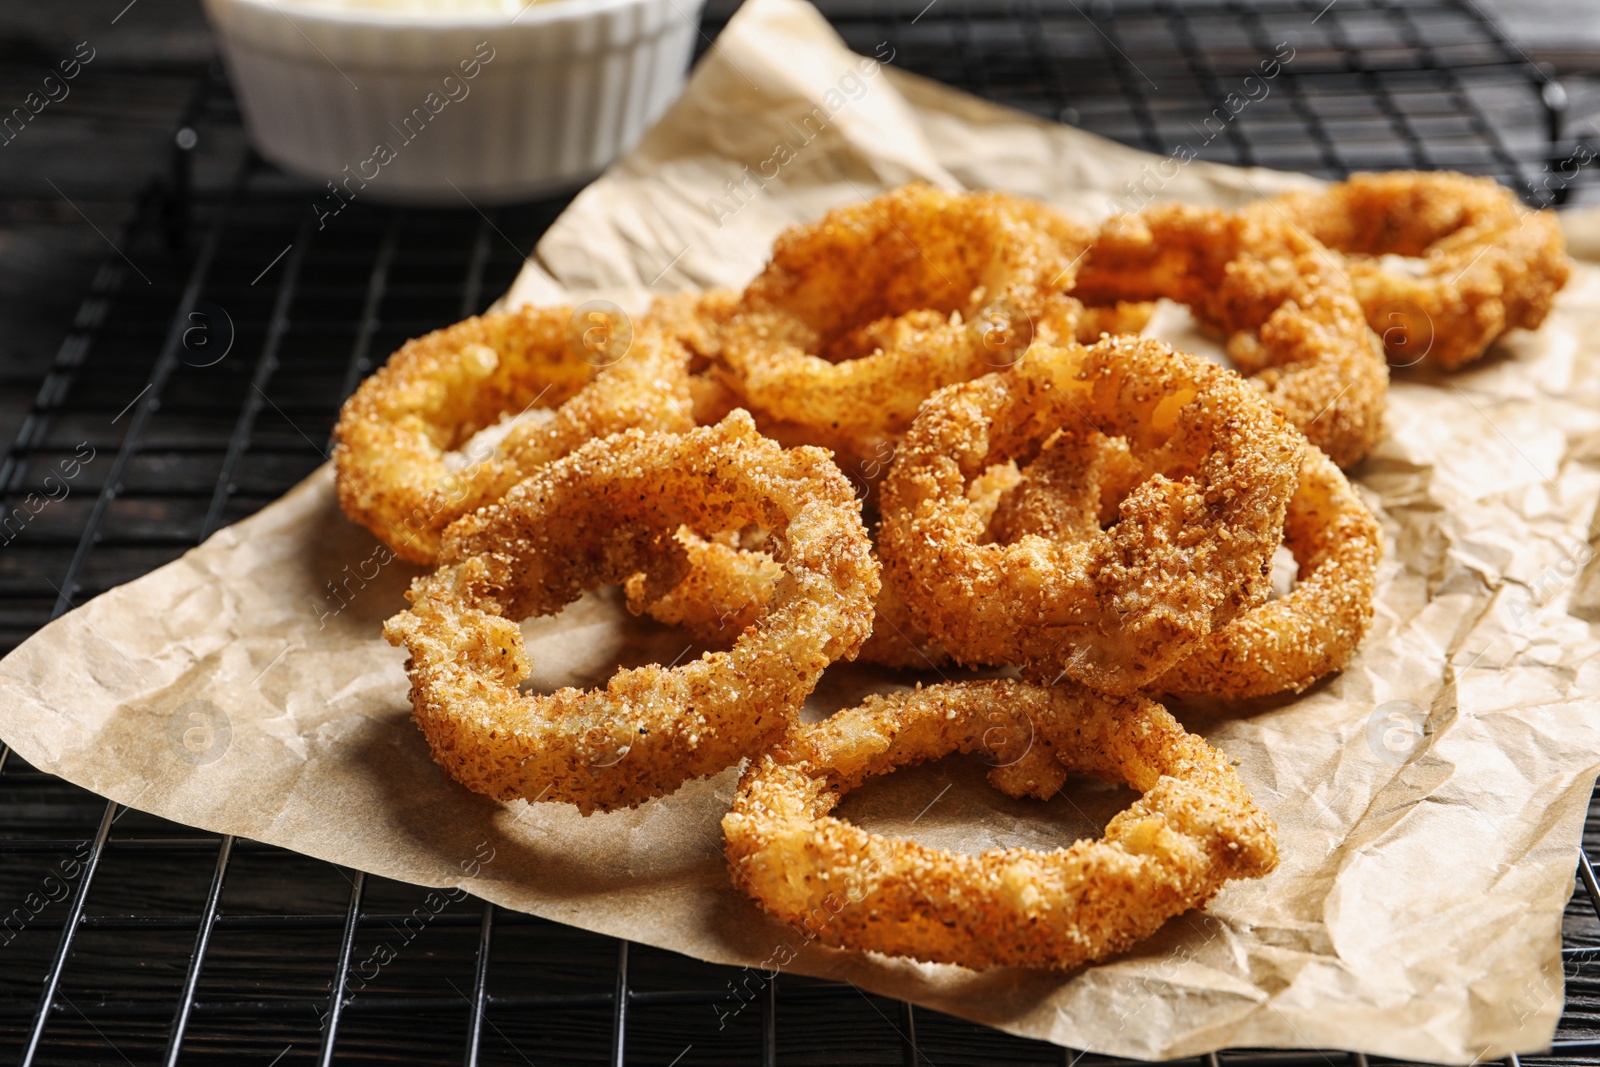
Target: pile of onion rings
928,435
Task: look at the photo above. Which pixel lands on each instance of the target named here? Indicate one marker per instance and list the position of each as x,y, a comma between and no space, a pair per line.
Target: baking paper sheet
1430,798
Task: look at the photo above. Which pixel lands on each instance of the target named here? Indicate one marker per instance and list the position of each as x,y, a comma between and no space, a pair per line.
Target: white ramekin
568,86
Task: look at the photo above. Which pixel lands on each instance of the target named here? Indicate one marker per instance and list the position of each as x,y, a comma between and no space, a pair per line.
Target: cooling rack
200,379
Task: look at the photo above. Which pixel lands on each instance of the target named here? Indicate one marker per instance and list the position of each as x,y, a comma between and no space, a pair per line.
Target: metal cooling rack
140,941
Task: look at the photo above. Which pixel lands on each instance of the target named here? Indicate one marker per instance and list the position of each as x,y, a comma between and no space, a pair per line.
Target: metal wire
480,988
52,978
202,941
619,1010
1094,64
341,972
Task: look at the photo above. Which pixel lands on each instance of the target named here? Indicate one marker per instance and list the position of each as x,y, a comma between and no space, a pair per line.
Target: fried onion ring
396,432
1281,646
1294,327
1487,262
860,316
1190,550
607,511
1194,828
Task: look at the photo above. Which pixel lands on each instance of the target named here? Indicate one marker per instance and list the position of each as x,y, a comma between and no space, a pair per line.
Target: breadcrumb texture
1294,326
1191,546
1285,645
1488,263
609,510
394,435
861,315
728,586
1194,829
1073,489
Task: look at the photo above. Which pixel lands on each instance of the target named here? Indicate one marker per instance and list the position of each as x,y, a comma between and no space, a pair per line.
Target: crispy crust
728,585
429,399
696,318
1192,545
1294,327
394,434
727,589
1069,492
1284,645
1194,828
1488,262
601,514
957,284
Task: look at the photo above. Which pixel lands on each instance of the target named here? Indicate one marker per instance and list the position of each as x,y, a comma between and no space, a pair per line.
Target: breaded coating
1194,828
1488,263
429,399
727,588
607,511
1072,490
1191,547
1286,644
394,433
861,315
1294,327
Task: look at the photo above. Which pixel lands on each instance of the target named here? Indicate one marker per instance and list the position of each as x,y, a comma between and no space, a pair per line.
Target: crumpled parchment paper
1430,798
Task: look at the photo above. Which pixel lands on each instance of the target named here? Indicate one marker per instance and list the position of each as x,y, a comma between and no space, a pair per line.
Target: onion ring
1295,328
394,434
603,513
1194,828
726,589
1192,546
1487,262
1281,646
959,284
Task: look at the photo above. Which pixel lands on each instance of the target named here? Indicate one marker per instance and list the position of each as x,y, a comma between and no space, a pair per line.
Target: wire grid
1367,86
139,940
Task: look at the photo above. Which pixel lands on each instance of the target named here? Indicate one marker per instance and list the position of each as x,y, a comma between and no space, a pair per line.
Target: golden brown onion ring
1286,644
1281,646
728,586
395,436
1293,324
1069,492
607,511
1194,828
1487,262
1191,547
862,314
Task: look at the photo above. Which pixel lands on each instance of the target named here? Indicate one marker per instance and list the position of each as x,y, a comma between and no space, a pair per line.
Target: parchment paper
1430,798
